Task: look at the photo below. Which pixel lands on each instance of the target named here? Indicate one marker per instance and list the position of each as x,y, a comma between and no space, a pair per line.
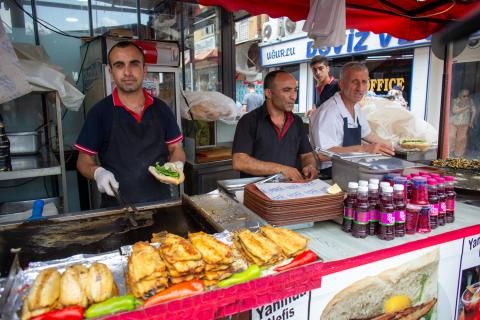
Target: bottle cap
435,175
384,184
372,186
399,180
432,182
449,178
388,189
352,185
398,187
424,173
363,189
440,180
409,177
413,175
362,183
374,181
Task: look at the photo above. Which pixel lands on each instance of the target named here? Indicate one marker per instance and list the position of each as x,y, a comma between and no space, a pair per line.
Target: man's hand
291,173
378,148
310,172
311,112
105,180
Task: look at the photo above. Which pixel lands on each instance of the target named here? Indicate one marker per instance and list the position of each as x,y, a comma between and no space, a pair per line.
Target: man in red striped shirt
128,131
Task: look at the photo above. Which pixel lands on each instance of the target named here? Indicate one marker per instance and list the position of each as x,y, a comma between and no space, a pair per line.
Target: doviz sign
356,42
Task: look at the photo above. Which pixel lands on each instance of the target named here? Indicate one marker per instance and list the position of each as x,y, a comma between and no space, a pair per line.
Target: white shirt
327,123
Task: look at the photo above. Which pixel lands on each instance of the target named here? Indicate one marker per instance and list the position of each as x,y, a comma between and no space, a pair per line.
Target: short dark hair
125,44
251,85
270,77
319,59
352,65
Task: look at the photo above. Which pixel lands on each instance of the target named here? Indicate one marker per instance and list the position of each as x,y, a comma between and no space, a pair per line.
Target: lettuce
166,171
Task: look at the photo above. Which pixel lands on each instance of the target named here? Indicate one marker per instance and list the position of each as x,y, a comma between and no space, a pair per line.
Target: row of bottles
5,158
403,205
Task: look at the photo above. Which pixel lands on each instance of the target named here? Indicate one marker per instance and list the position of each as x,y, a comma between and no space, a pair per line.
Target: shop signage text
356,42
385,84
295,307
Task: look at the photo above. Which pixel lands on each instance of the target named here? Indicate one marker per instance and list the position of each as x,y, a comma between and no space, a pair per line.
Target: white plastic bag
390,121
208,106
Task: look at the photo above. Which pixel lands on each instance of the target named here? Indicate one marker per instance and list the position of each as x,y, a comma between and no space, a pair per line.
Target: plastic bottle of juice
442,201
409,188
419,191
399,202
403,181
386,228
373,206
434,203
450,193
411,219
423,224
362,216
349,206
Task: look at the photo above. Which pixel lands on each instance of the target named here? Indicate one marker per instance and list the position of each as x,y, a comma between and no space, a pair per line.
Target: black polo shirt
257,136
322,95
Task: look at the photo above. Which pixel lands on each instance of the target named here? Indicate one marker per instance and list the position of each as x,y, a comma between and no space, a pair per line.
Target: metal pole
443,146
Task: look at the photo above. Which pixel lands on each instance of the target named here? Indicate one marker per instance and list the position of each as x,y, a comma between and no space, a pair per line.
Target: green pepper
112,305
250,273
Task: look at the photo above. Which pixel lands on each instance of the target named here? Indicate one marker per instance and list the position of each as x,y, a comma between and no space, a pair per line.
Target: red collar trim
138,117
320,89
288,124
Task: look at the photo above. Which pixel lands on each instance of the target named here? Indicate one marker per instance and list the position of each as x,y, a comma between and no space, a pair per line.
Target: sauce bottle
362,216
349,207
433,202
450,193
373,206
442,201
386,228
399,203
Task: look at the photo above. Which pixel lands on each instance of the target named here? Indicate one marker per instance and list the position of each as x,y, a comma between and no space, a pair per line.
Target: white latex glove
105,180
175,166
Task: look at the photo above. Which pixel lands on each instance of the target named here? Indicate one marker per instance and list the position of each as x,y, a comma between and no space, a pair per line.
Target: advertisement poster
296,307
468,297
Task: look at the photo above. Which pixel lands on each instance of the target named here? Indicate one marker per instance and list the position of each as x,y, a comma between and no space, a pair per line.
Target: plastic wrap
208,106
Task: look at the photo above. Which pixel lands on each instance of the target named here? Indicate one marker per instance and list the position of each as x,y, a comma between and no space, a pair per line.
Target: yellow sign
385,84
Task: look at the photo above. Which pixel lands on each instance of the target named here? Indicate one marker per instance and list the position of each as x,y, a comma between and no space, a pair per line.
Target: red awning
407,19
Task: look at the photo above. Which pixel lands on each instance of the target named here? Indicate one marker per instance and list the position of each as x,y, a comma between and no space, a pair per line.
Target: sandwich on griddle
406,292
184,262
257,248
289,241
73,286
217,255
146,271
43,295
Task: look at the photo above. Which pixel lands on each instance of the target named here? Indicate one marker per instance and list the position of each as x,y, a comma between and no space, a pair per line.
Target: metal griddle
93,232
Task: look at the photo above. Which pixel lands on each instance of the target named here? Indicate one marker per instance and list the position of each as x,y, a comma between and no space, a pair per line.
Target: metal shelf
39,165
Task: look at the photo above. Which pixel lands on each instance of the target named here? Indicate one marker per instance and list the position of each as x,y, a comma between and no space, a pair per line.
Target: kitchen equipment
128,206
356,166
24,143
232,185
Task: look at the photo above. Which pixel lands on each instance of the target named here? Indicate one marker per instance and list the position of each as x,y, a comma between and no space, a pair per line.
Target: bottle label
443,207
451,204
387,218
400,216
434,208
348,213
362,217
374,215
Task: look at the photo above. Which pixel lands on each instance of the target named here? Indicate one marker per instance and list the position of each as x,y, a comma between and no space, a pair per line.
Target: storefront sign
295,307
381,85
356,42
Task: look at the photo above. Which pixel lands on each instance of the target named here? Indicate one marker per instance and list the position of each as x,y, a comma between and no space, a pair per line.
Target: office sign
356,42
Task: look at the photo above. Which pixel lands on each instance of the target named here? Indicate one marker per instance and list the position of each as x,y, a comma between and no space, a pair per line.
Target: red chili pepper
178,291
305,257
68,313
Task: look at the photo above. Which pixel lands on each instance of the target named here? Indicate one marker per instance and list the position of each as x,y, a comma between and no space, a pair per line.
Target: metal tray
232,185
24,143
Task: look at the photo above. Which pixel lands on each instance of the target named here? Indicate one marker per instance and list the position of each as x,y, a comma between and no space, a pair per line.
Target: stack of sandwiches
217,255
146,271
184,262
257,248
289,241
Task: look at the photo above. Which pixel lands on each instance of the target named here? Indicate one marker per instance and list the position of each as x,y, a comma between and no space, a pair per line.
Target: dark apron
351,137
131,149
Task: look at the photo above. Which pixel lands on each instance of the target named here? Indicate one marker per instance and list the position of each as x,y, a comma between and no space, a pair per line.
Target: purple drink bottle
349,207
433,202
386,228
362,216
400,215
373,206
442,201
450,193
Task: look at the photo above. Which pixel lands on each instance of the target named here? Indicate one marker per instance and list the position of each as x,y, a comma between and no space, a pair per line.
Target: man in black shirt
271,139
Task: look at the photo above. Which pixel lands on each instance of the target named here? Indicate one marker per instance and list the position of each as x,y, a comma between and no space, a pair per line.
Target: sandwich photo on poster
468,294
407,291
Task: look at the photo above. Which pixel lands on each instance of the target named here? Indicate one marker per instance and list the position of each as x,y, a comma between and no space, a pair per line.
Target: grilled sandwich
258,249
289,241
72,286
43,295
213,251
100,284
